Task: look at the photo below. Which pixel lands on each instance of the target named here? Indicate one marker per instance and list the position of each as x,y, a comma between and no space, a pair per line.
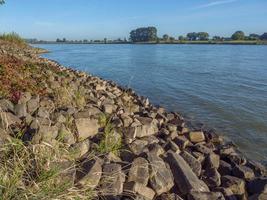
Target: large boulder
109,108
45,134
6,105
66,170
196,195
25,97
212,161
148,127
243,172
192,162
7,119
33,104
262,196
224,168
112,180
257,185
89,173
185,179
196,136
65,136
212,177
86,128
169,196
88,112
139,171
132,188
161,178
126,119
138,146
258,168
236,185
79,149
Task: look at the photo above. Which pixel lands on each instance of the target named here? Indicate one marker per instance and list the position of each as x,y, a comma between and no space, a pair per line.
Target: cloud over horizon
215,3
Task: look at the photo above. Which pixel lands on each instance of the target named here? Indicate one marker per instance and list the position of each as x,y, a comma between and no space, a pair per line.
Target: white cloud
215,3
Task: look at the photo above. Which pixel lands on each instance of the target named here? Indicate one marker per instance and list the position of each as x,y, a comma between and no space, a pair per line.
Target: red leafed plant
15,96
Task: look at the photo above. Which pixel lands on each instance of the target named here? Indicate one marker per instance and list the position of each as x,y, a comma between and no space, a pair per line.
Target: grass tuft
38,172
112,139
13,38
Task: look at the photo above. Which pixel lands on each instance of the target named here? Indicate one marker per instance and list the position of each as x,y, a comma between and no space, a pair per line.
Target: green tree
165,37
216,38
203,36
192,36
253,36
238,35
145,34
2,2
263,36
182,38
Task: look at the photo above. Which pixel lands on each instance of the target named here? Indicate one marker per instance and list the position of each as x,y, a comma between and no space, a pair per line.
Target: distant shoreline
241,42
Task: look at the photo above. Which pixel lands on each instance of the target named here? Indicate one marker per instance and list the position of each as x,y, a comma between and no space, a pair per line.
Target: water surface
222,86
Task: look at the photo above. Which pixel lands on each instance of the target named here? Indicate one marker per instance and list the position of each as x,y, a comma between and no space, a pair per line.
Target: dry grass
13,38
67,96
37,172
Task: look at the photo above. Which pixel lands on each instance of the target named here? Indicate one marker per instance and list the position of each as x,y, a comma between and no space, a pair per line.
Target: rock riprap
123,146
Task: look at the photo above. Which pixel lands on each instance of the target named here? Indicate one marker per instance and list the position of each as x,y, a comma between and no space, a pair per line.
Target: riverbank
211,42
106,140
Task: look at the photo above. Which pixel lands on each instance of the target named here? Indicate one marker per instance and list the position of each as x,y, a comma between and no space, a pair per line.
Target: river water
221,86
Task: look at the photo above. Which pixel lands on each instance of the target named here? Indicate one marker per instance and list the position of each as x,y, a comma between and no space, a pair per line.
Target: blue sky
96,19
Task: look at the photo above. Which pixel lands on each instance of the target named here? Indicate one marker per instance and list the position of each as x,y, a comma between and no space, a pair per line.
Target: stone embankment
125,147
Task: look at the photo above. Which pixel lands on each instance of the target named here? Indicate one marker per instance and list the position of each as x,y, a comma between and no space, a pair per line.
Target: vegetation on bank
144,34
12,38
31,172
148,35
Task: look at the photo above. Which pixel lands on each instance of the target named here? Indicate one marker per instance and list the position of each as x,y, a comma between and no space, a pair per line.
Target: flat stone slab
137,188
185,179
86,127
89,173
205,196
112,180
196,136
139,171
161,178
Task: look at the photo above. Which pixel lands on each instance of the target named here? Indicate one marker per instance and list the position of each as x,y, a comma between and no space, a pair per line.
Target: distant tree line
238,35
149,34
84,41
104,41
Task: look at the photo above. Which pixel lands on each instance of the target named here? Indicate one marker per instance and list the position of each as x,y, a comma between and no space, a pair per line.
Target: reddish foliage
17,76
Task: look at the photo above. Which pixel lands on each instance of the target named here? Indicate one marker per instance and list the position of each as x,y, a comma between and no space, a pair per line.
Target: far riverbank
210,42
